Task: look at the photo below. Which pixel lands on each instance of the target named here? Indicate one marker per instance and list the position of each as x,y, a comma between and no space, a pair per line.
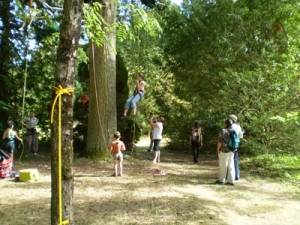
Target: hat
233,118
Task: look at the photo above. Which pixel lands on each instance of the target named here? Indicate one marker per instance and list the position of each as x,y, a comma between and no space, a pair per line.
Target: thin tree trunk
102,109
64,76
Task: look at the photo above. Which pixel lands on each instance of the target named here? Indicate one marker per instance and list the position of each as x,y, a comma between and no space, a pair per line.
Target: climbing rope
133,136
24,97
59,92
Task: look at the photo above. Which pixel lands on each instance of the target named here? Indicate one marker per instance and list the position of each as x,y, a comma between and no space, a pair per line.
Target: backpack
196,135
234,141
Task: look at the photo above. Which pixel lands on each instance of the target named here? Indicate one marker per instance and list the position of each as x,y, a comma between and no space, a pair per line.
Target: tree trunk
5,58
64,76
102,108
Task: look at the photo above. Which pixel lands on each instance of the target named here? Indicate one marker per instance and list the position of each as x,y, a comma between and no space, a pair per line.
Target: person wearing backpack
225,154
237,128
196,140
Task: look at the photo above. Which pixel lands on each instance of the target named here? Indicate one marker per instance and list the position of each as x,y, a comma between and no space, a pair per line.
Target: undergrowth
285,168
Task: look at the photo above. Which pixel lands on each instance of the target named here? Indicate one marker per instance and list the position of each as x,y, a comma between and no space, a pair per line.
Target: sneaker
232,184
134,115
35,154
218,182
123,117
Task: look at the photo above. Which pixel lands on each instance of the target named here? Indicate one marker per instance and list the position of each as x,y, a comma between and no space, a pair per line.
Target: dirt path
186,194
250,201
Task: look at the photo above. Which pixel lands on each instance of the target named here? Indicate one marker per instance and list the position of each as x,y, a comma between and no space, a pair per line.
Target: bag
5,168
29,175
196,135
234,141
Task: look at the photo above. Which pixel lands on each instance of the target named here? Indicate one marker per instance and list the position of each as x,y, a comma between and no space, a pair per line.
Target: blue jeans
236,165
131,102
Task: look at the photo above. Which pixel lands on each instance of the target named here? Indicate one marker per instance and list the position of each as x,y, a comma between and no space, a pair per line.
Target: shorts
156,144
10,147
118,156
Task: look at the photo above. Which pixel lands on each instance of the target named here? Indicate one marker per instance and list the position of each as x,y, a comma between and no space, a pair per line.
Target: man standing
237,128
196,140
225,155
31,133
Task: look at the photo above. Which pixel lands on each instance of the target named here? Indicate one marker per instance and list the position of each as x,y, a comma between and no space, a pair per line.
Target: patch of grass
284,168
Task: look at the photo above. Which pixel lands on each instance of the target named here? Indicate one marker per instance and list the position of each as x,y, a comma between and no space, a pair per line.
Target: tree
64,76
102,110
237,65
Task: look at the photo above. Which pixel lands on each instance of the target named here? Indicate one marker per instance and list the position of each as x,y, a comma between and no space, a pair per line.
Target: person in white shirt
156,136
237,128
31,133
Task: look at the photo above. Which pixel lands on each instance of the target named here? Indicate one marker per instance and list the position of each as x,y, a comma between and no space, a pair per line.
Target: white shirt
157,131
237,128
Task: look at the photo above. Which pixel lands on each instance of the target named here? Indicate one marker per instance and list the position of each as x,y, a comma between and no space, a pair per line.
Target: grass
185,195
285,168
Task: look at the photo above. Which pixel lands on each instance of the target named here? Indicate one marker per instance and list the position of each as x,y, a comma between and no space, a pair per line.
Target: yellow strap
60,91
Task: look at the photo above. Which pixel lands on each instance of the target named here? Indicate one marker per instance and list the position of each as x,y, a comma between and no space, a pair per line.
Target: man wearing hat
237,128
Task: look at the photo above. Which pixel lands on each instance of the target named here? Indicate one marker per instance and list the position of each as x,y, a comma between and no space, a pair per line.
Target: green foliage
281,167
236,65
95,25
134,21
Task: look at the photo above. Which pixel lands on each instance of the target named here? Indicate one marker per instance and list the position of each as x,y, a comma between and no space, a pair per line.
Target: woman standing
9,136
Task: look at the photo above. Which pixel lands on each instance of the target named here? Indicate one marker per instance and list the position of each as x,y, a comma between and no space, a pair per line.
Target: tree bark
64,76
5,58
102,109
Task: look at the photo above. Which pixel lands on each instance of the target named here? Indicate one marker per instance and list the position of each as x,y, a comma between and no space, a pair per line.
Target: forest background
203,60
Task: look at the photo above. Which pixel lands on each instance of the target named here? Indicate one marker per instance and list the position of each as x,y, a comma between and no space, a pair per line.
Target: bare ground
186,194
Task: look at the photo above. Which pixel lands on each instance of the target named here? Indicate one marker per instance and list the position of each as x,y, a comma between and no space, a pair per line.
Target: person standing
116,147
196,140
137,96
237,128
9,136
157,136
85,101
151,141
225,155
31,133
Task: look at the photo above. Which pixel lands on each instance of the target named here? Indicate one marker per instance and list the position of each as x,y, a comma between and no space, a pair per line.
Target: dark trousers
236,165
195,149
32,140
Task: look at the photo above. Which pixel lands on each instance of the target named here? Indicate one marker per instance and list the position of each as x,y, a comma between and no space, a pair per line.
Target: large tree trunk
64,76
5,58
102,109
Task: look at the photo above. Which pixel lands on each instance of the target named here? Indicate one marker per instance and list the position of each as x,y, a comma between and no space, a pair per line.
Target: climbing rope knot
59,91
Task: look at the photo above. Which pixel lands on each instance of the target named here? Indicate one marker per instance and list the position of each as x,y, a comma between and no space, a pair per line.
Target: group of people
10,135
228,158
117,146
